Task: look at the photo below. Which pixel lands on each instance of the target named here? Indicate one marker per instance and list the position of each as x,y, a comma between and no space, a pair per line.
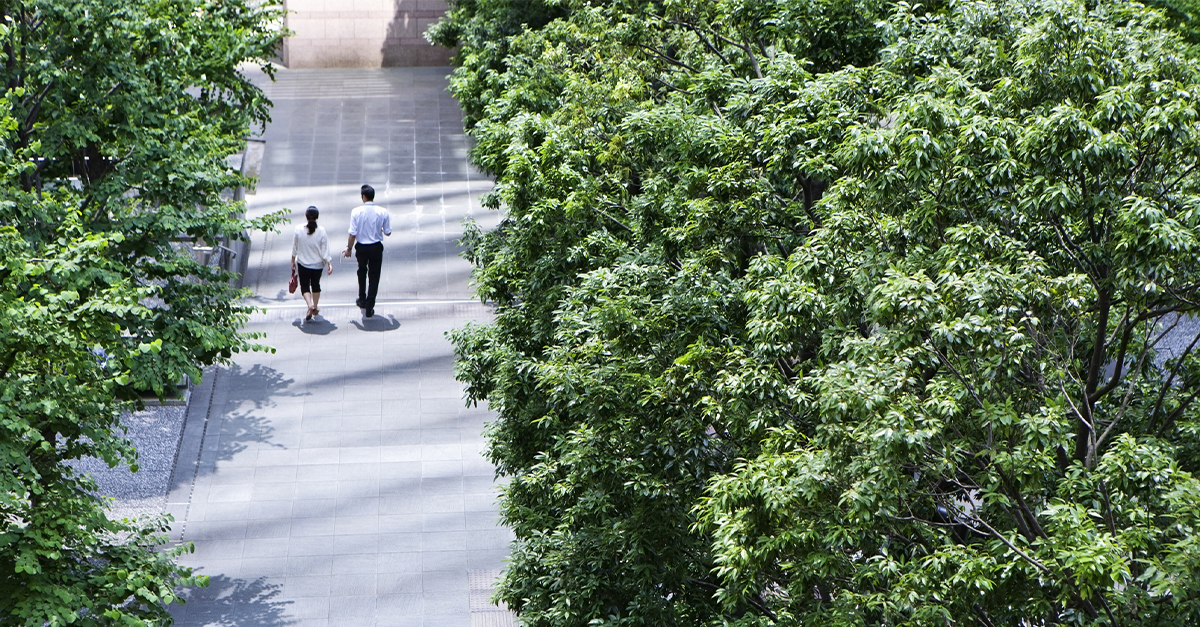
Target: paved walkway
339,480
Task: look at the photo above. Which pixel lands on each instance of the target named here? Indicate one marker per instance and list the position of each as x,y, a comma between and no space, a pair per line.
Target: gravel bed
155,432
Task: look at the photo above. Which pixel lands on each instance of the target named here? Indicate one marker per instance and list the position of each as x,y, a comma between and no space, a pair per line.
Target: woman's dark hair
311,215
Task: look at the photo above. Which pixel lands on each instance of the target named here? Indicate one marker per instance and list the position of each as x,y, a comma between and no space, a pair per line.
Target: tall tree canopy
115,123
839,313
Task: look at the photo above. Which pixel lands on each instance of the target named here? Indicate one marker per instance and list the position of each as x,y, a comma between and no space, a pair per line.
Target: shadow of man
377,324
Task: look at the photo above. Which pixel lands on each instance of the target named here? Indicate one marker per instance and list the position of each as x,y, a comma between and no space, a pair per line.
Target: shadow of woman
317,326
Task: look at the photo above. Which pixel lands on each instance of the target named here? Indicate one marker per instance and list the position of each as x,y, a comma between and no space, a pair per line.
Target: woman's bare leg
316,298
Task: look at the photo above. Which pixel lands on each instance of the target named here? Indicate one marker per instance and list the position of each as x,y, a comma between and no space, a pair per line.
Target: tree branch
1162,393
1126,335
1023,554
618,222
981,616
670,86
1128,397
666,58
966,384
1085,434
743,47
707,44
1073,250
1176,414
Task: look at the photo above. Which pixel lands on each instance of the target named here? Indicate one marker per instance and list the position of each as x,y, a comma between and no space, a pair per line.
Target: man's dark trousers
370,260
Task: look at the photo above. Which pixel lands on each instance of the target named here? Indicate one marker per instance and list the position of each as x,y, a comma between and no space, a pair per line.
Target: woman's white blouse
311,251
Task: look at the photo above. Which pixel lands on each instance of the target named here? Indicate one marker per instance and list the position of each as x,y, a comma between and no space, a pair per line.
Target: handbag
293,282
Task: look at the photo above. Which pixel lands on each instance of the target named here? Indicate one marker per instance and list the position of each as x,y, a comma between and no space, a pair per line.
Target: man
368,225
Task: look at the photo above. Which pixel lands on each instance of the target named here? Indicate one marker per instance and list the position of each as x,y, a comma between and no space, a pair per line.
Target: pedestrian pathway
339,480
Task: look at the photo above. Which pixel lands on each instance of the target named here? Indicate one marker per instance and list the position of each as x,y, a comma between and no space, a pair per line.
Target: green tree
1184,16
989,433
857,328
117,118
634,200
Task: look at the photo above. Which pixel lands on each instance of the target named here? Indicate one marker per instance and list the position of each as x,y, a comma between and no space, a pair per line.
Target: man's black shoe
370,313
360,303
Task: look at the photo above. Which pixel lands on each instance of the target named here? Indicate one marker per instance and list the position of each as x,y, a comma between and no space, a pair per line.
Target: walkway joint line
378,304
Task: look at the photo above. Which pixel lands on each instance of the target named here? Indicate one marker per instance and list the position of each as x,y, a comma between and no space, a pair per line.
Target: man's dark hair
368,192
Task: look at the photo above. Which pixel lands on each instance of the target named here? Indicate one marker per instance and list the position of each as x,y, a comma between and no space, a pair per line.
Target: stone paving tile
339,479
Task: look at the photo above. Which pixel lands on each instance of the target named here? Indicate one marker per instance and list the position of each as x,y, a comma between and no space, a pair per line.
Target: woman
310,248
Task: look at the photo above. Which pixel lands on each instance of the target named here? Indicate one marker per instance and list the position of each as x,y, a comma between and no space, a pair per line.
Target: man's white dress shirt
369,223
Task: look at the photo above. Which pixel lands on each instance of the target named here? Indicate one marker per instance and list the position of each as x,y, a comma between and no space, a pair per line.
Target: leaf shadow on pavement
377,324
245,421
229,602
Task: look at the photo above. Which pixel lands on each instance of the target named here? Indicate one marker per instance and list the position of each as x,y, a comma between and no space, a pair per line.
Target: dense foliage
836,312
115,123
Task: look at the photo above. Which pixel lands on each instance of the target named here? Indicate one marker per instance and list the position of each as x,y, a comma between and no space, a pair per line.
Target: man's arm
353,231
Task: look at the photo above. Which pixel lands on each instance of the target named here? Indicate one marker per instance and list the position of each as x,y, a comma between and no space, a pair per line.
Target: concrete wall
362,33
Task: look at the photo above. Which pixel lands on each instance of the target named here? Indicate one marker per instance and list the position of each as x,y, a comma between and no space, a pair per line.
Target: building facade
362,33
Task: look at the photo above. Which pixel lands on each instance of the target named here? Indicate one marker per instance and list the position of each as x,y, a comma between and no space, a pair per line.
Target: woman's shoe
310,315
315,311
